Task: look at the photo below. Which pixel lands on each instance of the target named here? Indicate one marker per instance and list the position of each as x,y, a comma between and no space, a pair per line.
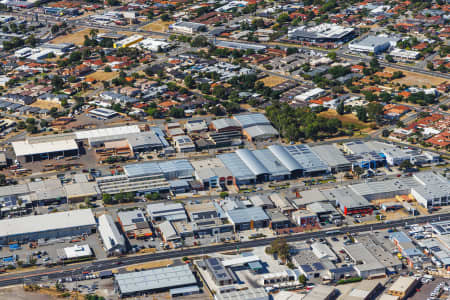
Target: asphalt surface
96,266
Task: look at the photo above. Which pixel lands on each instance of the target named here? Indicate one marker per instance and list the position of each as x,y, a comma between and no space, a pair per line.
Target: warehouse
403,286
172,169
142,185
367,266
248,218
80,191
75,252
239,46
332,156
27,151
348,201
225,124
311,164
211,173
49,226
219,274
154,45
153,281
256,126
238,169
372,44
145,141
384,189
166,211
433,189
134,224
249,294
113,240
286,160
104,113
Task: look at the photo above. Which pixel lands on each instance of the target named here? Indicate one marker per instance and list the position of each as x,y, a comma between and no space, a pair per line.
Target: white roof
22,148
109,233
78,251
48,222
240,260
106,132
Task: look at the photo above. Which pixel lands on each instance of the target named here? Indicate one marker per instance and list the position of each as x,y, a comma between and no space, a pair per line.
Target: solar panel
318,266
306,268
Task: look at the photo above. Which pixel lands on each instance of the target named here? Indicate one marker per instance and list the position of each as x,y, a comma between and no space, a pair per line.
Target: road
96,266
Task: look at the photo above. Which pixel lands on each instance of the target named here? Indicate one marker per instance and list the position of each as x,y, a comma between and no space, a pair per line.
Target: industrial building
219,274
48,226
402,54
333,157
373,44
75,252
80,191
249,294
134,224
367,265
154,281
211,173
248,218
348,201
256,126
323,33
113,240
166,211
403,287
142,184
154,45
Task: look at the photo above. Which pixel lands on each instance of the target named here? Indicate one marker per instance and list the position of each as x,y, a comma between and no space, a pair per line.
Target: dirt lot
45,104
102,75
158,26
76,38
151,265
17,293
347,118
272,81
416,79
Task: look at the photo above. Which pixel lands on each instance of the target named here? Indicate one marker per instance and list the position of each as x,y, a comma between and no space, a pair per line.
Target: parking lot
425,291
46,253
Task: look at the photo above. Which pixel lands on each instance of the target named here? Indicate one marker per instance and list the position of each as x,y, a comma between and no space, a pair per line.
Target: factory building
155,281
129,41
333,157
348,201
113,240
248,218
49,226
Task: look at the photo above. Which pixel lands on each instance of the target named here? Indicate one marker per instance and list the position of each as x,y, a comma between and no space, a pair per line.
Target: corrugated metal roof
286,159
248,120
237,167
245,215
252,162
155,279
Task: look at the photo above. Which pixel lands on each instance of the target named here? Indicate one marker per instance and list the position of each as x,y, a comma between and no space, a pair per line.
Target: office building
134,224
323,33
248,218
372,44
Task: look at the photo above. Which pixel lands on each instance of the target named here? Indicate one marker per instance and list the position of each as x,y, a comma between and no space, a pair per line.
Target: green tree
165,17
375,111
389,58
340,108
302,279
385,133
332,55
283,18
189,81
199,41
57,83
361,113
54,29
107,199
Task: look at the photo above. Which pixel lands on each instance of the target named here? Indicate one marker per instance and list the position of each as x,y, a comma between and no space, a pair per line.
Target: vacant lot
76,38
157,26
345,119
103,76
45,104
151,265
411,78
272,81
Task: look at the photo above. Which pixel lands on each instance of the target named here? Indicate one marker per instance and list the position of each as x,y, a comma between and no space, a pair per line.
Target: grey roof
109,233
237,167
331,155
239,46
374,41
252,162
309,161
244,215
151,168
131,217
47,222
346,197
249,294
217,269
399,186
147,138
168,211
359,253
155,279
248,120
225,123
286,159
261,130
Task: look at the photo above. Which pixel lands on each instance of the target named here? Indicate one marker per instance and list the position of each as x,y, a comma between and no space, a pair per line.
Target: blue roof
400,236
245,215
237,167
252,162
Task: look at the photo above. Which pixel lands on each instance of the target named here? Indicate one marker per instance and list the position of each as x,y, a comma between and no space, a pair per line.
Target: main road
107,264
